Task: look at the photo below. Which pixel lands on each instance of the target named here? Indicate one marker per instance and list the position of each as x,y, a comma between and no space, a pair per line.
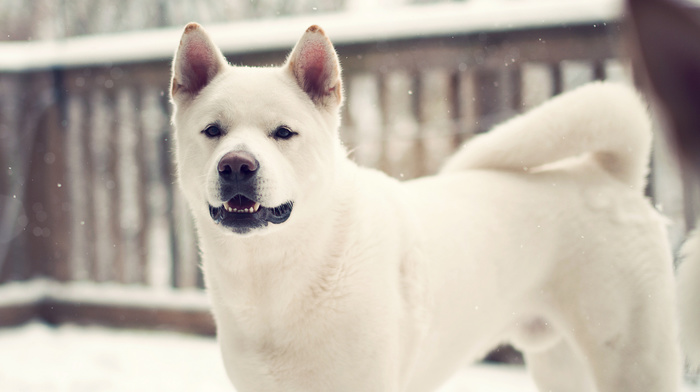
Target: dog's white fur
537,233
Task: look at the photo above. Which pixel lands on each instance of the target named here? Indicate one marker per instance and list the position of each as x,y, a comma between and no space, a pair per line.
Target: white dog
328,277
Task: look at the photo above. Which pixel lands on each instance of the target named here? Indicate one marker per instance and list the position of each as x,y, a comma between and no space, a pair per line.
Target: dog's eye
212,131
284,133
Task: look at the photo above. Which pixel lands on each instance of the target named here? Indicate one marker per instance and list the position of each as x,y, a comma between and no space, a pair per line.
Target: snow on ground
39,358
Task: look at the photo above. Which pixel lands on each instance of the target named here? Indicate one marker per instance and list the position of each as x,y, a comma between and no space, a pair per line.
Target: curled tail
688,285
608,121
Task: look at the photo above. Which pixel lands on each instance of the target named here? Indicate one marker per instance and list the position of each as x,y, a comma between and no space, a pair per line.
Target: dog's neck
270,270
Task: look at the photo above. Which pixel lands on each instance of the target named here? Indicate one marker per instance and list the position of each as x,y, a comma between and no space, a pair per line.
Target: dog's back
541,226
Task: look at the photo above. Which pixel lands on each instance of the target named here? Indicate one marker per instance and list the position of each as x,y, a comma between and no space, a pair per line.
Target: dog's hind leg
644,358
638,355
624,327
559,369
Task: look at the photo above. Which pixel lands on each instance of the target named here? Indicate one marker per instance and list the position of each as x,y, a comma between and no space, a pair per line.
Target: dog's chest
291,330
267,303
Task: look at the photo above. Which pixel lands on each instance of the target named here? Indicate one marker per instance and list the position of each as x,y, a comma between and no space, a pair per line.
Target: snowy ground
38,358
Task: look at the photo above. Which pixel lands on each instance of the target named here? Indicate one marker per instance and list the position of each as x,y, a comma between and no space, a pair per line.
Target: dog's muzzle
241,211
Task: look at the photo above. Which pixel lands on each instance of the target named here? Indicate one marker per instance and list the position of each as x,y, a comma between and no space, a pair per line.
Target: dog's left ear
315,66
197,61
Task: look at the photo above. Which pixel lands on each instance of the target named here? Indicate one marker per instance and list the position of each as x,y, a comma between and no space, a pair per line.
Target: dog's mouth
241,205
242,214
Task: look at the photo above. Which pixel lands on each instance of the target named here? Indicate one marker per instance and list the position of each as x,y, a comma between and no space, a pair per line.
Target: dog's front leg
348,351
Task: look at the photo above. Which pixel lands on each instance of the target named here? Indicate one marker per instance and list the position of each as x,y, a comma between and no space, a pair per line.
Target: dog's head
255,147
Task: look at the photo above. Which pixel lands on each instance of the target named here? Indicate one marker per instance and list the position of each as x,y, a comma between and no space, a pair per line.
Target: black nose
238,166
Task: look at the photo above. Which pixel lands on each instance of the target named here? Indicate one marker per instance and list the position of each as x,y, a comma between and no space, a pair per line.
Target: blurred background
93,229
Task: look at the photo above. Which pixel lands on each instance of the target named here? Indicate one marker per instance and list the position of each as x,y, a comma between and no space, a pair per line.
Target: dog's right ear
197,61
315,66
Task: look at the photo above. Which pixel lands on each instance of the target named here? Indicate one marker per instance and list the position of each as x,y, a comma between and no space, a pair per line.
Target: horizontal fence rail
89,192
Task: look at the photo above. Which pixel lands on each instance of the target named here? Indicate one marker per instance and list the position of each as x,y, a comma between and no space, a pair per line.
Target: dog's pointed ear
316,69
196,62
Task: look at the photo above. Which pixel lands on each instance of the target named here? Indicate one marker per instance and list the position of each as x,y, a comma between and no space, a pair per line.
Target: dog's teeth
250,210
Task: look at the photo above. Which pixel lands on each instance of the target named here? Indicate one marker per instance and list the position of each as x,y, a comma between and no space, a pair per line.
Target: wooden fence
88,195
